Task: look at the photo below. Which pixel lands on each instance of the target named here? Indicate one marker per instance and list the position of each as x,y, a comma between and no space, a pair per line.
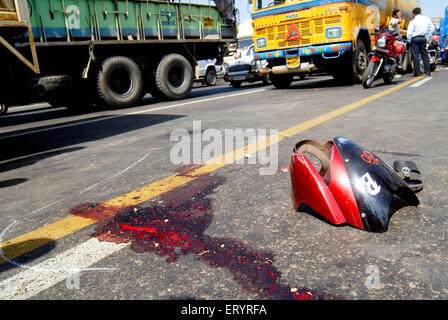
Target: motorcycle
384,60
434,52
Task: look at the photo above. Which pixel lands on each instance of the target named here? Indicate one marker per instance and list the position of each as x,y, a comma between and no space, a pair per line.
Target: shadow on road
31,141
33,115
12,182
46,245
15,164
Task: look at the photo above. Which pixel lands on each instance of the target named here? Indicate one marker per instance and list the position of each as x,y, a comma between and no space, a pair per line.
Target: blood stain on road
175,226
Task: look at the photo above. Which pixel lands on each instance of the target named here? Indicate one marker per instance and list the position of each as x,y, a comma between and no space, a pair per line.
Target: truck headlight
261,42
334,32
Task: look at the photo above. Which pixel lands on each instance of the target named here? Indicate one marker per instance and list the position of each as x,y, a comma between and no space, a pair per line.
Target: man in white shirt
420,31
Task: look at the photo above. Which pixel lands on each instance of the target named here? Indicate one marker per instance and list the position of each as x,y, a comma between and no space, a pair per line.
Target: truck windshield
262,4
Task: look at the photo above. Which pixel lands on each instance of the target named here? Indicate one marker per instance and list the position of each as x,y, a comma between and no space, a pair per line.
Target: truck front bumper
328,51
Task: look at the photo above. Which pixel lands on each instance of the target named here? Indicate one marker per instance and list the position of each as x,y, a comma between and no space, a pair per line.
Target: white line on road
128,114
421,82
67,264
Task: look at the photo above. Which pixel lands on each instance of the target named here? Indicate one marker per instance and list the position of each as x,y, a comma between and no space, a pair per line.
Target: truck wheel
3,109
155,92
120,82
150,82
359,61
282,81
174,76
210,77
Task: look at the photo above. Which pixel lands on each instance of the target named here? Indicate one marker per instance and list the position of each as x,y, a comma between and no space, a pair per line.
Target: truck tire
156,93
119,82
174,76
350,68
3,109
359,61
150,82
282,81
210,77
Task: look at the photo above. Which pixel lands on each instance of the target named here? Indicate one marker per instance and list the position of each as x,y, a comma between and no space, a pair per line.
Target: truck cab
300,36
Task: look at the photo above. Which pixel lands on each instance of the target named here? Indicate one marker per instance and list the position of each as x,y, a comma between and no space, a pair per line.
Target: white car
209,72
243,68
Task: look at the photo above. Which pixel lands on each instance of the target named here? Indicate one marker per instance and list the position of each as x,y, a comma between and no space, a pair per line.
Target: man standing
420,31
394,24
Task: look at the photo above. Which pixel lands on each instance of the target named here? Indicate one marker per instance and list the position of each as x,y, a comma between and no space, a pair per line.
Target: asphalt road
249,243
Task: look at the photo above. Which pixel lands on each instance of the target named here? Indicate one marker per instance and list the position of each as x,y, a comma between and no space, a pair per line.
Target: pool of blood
175,225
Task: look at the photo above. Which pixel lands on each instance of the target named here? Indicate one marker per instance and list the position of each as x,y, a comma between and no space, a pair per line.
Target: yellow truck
302,36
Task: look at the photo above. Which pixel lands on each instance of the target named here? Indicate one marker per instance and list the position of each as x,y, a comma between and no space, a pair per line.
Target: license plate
239,78
293,62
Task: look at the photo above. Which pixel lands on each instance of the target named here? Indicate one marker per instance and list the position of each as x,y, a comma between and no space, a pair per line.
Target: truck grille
276,35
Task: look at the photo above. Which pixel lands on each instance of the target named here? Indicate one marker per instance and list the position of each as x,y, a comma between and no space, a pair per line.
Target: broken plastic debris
204,252
284,170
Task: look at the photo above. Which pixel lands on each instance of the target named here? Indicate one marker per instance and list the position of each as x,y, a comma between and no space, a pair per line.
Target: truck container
76,53
301,36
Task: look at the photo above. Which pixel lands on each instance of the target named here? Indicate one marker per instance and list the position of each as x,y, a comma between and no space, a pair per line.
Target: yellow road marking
61,228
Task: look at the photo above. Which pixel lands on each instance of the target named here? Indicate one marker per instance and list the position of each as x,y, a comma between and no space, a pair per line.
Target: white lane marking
33,280
421,82
128,114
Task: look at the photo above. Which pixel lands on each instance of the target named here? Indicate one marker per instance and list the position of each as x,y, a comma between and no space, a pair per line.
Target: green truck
76,53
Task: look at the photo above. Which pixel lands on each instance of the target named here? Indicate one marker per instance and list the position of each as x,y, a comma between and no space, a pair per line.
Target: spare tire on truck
119,82
174,76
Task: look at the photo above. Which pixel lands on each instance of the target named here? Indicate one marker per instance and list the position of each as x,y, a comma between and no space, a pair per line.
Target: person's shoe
428,74
417,74
397,76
